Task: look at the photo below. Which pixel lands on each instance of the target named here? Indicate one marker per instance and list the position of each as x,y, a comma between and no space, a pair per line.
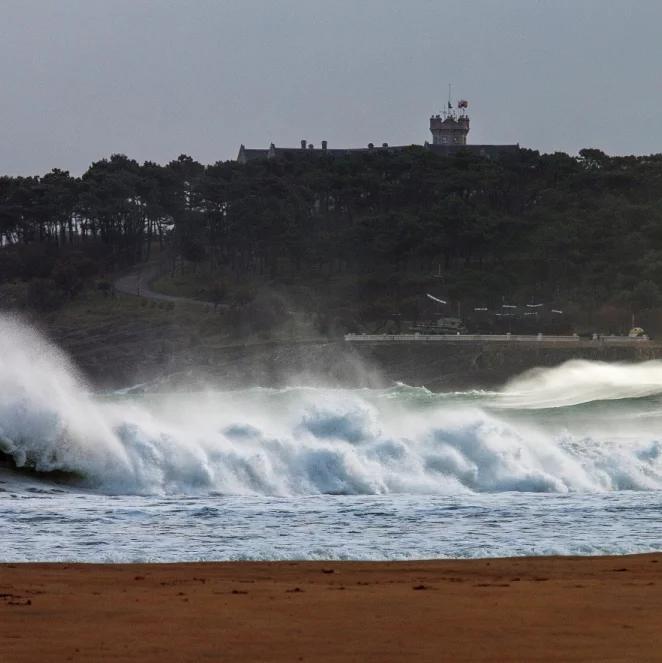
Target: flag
450,105
463,103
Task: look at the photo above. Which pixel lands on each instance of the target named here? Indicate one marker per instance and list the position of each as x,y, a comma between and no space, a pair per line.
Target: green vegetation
352,241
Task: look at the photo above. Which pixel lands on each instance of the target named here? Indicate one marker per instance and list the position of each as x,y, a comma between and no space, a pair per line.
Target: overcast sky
82,79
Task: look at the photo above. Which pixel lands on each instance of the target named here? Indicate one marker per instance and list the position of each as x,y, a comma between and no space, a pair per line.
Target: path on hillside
137,282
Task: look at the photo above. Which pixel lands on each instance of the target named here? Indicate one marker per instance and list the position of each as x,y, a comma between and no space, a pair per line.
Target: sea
564,460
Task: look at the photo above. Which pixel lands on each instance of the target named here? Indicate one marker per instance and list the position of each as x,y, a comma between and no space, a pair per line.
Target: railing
522,338
621,339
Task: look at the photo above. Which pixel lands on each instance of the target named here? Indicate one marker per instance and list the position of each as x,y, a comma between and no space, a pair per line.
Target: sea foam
309,441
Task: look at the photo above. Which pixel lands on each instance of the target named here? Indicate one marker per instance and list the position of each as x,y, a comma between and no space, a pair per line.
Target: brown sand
535,609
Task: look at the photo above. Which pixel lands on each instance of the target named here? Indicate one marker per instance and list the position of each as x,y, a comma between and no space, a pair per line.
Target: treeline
380,227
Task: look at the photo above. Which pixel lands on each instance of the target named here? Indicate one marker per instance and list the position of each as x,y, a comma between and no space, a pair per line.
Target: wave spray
545,432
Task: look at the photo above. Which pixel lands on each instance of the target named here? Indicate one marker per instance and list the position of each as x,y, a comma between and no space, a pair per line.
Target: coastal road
137,283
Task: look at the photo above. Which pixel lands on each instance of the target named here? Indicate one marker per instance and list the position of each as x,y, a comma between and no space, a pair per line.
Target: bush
44,295
67,278
37,260
645,295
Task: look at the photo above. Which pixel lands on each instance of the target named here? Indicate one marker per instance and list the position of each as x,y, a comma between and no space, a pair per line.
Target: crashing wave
318,441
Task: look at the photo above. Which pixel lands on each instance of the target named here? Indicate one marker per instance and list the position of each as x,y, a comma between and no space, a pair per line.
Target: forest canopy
368,232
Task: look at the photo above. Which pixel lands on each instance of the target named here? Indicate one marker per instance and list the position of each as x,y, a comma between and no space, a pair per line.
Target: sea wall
121,359
441,366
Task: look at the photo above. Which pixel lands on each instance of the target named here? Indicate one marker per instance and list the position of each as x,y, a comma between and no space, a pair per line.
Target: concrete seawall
475,364
136,357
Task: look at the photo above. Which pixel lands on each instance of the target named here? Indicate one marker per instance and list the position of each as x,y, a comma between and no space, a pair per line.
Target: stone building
449,135
449,128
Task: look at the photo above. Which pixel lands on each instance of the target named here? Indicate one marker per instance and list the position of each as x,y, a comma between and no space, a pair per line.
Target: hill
351,243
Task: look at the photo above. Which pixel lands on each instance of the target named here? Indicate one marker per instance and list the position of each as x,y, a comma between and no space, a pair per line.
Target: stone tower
452,126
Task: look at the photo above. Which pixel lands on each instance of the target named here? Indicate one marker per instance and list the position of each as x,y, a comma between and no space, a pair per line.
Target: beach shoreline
533,609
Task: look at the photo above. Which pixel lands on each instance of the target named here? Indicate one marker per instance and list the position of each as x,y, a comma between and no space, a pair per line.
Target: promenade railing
522,338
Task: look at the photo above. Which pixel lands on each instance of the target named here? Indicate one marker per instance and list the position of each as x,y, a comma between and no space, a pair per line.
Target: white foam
581,381
315,441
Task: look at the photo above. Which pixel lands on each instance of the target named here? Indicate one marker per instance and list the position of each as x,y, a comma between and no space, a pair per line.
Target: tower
451,126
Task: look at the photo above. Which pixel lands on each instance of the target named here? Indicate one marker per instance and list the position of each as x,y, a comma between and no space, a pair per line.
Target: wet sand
533,609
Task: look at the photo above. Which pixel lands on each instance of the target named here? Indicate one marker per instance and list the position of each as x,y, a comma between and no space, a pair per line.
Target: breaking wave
303,441
579,381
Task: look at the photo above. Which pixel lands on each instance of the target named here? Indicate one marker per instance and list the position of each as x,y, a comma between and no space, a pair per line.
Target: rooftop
273,152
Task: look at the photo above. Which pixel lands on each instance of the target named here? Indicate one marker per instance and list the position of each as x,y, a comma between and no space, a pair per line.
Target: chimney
324,143
303,144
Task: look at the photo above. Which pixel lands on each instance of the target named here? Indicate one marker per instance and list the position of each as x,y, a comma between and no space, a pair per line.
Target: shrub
44,295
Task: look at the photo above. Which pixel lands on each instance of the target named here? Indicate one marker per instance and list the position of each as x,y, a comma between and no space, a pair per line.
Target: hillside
313,246
126,341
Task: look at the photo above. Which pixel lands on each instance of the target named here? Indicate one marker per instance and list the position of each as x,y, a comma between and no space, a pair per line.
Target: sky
83,79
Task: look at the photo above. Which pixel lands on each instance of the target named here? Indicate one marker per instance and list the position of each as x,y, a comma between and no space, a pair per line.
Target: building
450,127
449,135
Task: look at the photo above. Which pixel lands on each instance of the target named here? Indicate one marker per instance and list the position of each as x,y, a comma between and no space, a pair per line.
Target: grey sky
82,79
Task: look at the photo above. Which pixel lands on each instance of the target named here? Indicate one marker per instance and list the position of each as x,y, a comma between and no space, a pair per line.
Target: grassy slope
123,340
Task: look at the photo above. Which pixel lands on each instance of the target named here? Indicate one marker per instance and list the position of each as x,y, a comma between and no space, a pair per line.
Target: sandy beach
523,609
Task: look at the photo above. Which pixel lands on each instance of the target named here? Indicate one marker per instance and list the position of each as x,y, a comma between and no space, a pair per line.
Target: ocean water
560,461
